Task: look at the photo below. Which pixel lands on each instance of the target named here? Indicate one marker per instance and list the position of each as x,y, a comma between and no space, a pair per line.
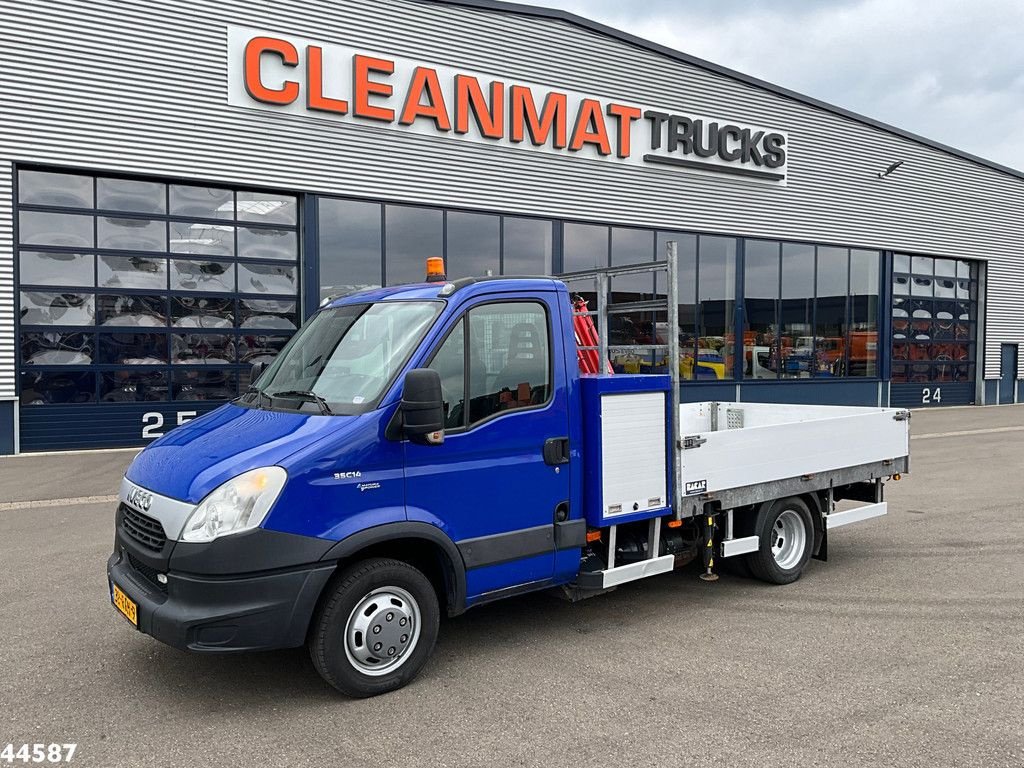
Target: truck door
488,485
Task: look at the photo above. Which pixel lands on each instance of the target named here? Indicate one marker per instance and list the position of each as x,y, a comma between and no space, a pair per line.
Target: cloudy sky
950,70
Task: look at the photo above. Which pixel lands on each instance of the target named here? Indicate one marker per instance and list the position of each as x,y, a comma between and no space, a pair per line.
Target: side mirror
423,407
257,370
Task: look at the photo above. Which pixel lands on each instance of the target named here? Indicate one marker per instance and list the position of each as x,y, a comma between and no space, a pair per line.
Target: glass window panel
53,348
263,243
131,234
205,239
260,347
963,289
963,269
202,348
632,246
413,234
921,286
267,278
133,348
131,272
132,311
213,276
584,247
202,202
133,386
57,387
202,312
945,288
267,207
211,384
761,287
276,314
510,364
131,196
901,285
449,361
63,190
797,335
830,312
686,248
864,286
716,284
40,268
474,245
945,268
350,246
39,308
922,265
64,229
526,246
900,262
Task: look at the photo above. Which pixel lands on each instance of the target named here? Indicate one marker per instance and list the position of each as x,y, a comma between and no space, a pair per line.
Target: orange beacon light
435,270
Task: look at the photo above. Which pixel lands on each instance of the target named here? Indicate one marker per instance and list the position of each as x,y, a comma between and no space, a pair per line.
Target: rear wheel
786,534
376,628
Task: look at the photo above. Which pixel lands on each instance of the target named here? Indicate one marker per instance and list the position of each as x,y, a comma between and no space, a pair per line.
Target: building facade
181,185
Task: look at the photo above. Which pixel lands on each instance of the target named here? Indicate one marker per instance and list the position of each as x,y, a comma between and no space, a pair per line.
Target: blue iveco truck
423,449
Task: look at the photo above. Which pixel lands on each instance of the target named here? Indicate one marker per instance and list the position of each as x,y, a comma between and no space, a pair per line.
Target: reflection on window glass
38,308
266,278
921,286
900,263
716,284
864,286
212,384
413,235
40,268
131,234
267,207
526,246
350,246
761,287
584,247
263,243
131,196
133,386
54,348
202,349
202,202
63,190
132,311
922,265
279,314
509,359
214,276
686,249
202,312
830,312
65,229
131,272
474,245
57,387
260,347
632,246
797,311
132,348
450,362
205,239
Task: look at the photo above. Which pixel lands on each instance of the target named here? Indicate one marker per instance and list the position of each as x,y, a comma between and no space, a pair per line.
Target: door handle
556,451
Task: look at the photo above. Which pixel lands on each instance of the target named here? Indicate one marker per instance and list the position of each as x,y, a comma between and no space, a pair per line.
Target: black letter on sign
749,145
680,133
774,150
725,133
657,120
699,148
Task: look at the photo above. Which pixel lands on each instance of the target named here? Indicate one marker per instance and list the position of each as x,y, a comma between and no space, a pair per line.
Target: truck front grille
143,529
147,572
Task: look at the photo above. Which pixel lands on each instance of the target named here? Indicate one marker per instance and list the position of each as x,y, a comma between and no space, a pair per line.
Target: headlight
238,505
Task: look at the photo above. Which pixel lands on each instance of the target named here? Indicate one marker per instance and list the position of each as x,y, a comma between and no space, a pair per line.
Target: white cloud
950,70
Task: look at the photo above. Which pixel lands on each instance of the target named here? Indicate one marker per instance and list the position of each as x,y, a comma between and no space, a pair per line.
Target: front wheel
786,534
376,628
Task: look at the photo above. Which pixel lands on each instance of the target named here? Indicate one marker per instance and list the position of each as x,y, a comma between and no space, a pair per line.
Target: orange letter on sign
425,83
363,88
625,115
524,119
469,97
254,51
315,98
590,128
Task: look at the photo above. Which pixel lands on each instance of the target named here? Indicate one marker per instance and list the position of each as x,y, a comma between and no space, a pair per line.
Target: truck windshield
345,356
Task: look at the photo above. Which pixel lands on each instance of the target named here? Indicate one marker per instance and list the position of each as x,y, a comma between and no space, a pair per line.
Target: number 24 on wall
931,395
153,422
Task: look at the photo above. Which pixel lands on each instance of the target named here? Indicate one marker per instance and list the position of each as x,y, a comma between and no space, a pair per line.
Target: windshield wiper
260,394
307,395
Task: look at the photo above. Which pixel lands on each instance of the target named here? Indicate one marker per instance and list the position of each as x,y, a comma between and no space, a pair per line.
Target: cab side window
507,363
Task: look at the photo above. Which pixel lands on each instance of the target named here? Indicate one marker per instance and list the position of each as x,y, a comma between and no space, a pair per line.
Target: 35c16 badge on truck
428,448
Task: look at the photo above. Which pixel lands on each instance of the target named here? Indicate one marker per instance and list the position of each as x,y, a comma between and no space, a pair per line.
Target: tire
376,627
786,533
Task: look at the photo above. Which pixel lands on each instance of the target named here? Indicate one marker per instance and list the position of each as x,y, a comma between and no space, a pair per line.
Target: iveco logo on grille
139,499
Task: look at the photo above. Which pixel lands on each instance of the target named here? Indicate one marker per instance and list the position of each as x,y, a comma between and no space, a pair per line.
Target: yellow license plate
125,605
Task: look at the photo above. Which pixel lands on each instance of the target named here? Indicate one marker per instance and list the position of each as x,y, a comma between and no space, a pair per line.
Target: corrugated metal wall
7,297
140,85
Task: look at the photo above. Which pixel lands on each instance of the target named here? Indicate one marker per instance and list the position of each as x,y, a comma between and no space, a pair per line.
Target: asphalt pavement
905,649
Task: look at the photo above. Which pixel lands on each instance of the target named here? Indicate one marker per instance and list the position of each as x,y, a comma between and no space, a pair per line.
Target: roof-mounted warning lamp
435,270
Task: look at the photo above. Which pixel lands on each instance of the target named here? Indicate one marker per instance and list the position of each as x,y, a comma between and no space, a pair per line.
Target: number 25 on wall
929,396
153,422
